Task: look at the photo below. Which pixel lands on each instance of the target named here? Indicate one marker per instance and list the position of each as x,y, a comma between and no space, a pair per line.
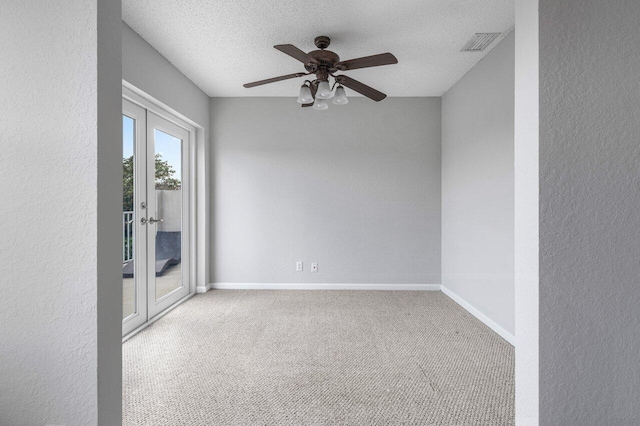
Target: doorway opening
156,214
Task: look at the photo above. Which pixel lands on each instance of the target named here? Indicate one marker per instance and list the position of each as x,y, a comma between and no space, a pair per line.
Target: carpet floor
233,357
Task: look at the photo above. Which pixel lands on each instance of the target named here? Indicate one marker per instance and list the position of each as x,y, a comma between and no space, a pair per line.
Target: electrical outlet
314,267
298,266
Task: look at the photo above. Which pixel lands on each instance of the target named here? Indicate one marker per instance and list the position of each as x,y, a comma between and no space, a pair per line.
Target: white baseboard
359,286
203,289
482,317
323,286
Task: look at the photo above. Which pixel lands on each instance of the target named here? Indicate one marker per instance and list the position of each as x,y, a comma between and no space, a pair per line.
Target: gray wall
109,213
149,71
61,304
478,186
589,212
354,188
526,155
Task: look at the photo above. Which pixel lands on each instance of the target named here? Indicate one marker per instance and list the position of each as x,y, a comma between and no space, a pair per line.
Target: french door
155,215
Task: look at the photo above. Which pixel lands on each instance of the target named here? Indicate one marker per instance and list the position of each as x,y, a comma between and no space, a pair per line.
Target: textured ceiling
222,44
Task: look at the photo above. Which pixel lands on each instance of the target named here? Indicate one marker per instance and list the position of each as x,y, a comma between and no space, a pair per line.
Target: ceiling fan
324,63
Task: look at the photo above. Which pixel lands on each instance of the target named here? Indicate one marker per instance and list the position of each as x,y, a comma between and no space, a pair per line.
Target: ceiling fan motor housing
326,59
322,42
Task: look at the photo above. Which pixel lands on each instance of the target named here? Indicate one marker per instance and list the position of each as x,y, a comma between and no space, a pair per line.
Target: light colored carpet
318,358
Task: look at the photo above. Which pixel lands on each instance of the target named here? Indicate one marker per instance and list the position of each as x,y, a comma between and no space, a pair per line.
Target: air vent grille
479,42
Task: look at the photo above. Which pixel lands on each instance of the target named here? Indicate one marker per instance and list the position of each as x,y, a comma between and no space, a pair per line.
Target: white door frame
157,306
196,258
139,316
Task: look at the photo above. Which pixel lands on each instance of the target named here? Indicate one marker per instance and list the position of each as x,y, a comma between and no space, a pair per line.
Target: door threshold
157,317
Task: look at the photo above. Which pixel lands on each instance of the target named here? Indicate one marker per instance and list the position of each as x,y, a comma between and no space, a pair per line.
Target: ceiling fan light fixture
305,96
324,90
341,96
320,104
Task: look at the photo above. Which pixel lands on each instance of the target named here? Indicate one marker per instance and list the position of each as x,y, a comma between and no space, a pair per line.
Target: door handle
152,220
143,220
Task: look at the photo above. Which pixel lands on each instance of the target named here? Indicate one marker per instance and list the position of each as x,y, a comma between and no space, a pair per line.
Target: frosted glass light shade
305,95
324,91
320,105
340,97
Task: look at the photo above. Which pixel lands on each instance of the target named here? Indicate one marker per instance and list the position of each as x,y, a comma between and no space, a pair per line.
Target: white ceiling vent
479,42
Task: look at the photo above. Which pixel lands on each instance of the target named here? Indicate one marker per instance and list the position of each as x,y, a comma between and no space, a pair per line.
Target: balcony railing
127,236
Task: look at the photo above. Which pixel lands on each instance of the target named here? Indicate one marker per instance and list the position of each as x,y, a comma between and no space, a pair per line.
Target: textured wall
61,298
589,212
354,188
477,186
526,211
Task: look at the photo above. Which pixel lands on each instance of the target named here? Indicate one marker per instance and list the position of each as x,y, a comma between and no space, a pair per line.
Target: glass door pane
134,236
168,210
128,217
155,215
169,199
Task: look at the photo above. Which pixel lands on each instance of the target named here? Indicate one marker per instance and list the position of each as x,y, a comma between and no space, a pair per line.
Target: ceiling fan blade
274,79
366,62
361,88
296,53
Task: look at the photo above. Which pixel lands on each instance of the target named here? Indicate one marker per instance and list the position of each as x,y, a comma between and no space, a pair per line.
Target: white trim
203,289
140,314
200,202
148,102
196,189
323,286
478,314
156,122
